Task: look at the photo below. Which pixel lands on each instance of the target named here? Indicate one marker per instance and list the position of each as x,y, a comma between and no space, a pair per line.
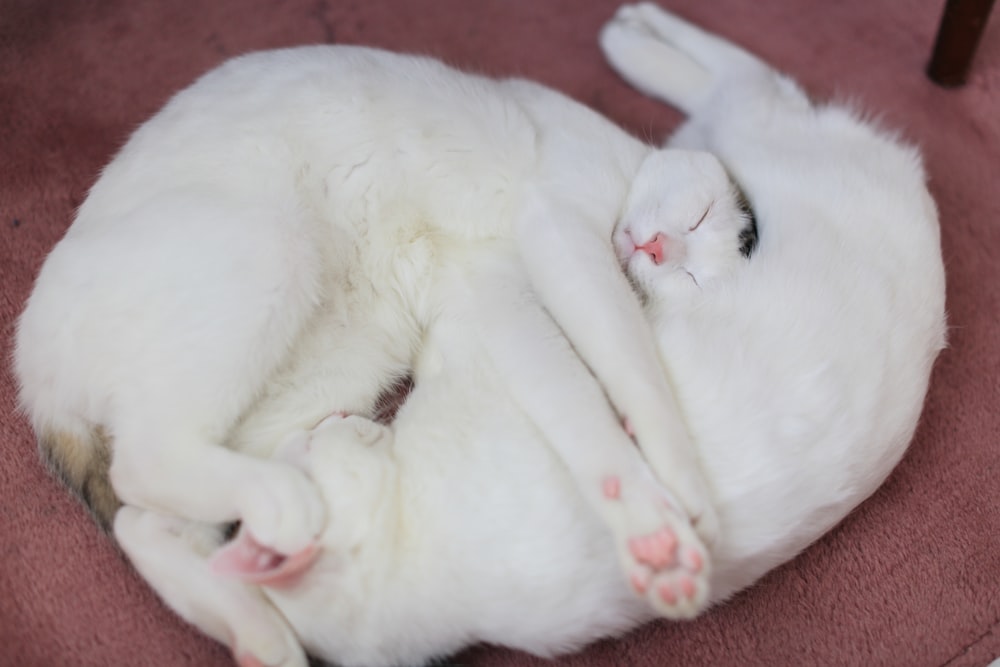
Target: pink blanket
910,578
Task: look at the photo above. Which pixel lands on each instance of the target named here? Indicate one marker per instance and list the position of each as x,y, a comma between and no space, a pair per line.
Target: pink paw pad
640,580
667,593
656,550
687,588
693,561
612,487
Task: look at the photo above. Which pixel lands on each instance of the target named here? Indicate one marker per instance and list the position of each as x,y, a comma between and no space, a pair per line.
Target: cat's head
685,225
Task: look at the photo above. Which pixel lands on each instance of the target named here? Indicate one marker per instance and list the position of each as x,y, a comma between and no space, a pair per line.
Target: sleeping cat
802,373
302,200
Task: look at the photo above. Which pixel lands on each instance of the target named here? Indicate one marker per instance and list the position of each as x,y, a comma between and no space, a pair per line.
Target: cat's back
274,122
829,336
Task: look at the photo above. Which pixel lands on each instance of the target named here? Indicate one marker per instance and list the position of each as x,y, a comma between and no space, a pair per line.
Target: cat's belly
472,469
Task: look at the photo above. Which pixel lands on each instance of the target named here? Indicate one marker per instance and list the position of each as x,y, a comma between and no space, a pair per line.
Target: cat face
684,226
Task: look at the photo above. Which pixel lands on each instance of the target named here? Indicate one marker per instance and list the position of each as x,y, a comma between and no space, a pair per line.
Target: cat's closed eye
702,218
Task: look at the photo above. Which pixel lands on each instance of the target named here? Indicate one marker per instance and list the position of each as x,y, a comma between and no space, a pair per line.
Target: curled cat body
801,373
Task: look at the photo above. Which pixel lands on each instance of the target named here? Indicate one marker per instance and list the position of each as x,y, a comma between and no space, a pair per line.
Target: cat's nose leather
654,247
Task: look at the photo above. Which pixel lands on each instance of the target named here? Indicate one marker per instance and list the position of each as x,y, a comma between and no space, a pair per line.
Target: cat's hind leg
193,349
669,58
352,361
203,481
170,553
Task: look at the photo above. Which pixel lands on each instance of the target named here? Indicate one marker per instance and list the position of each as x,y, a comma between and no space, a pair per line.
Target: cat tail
83,461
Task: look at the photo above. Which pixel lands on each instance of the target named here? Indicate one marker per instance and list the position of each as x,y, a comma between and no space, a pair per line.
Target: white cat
297,205
802,374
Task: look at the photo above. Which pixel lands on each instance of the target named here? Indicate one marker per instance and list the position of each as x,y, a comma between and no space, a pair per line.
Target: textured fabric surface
911,578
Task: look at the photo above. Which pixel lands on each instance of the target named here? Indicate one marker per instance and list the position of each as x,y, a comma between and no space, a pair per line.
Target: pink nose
654,248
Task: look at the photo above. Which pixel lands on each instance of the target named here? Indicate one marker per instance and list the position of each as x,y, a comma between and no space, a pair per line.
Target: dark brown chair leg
958,36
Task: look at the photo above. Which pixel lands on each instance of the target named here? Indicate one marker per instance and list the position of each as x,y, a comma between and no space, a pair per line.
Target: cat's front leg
575,273
662,557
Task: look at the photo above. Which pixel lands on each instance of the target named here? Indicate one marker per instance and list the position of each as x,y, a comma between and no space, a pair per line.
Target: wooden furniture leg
958,36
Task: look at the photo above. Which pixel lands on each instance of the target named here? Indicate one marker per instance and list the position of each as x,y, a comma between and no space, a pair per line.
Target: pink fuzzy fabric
911,578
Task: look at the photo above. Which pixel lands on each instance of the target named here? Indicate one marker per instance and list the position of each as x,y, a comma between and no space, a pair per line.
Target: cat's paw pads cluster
668,565
669,573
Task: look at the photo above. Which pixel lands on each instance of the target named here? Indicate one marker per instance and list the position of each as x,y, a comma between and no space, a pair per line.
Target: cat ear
244,558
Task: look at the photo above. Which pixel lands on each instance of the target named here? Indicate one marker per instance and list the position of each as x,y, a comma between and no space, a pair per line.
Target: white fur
311,184
802,377
801,374
803,380
295,205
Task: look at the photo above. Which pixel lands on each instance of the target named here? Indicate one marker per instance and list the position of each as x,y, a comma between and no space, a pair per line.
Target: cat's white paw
651,19
282,508
636,19
632,51
350,458
351,428
165,551
634,48
275,647
642,43
662,555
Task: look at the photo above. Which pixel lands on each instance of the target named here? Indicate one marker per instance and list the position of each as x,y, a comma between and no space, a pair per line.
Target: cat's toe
349,428
677,594
629,14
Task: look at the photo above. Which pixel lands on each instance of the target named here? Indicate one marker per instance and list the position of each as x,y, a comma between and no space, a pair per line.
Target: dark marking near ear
749,235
